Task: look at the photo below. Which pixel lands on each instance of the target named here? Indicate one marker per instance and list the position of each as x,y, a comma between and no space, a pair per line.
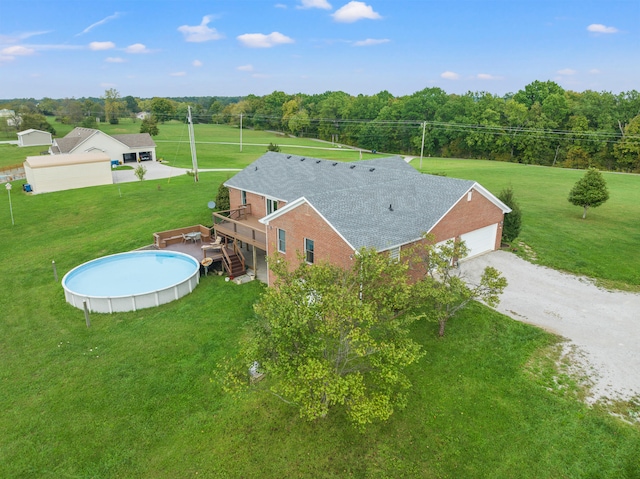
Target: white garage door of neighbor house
481,240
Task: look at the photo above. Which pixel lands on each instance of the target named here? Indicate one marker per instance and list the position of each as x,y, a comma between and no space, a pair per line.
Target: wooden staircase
233,260
235,266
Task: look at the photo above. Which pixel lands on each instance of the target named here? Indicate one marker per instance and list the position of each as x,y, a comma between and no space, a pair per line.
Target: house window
308,250
272,205
282,241
243,197
394,254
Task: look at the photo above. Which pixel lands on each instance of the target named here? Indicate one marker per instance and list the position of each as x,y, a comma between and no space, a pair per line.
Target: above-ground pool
131,281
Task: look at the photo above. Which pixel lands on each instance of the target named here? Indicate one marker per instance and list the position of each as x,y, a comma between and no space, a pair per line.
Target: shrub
513,220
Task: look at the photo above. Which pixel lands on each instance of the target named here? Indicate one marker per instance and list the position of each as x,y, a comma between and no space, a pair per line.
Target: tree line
541,124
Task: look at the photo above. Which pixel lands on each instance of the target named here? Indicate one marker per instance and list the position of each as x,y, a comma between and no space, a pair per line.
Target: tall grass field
136,394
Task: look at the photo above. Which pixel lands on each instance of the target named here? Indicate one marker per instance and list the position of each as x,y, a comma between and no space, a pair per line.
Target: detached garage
65,172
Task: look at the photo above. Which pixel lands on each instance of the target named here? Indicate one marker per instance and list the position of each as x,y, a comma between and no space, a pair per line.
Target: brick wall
468,216
303,222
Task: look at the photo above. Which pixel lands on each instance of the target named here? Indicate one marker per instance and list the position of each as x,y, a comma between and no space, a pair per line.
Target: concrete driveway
603,325
156,171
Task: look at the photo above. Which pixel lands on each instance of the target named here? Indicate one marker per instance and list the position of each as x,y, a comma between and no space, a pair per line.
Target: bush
513,220
273,147
222,198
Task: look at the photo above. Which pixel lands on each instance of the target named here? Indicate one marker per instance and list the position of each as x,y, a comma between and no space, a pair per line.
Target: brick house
328,210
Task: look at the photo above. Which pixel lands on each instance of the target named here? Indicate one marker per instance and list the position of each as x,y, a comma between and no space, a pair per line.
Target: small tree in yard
222,198
150,125
140,171
513,220
331,338
273,147
589,191
444,291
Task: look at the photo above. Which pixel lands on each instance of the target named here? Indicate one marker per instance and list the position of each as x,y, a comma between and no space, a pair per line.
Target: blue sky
146,48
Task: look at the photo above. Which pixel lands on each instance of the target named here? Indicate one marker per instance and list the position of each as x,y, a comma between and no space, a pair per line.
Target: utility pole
192,143
424,127
240,131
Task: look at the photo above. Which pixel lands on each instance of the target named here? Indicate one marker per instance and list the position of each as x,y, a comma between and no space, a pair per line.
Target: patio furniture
194,236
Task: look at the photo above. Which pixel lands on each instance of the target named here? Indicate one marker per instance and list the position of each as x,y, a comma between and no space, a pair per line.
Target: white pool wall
134,302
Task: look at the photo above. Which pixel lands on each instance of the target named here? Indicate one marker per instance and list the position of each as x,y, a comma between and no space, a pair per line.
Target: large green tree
589,191
113,105
331,338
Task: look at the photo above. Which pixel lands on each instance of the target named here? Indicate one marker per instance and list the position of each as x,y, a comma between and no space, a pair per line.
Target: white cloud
178,74
101,22
245,68
566,71
18,50
370,42
196,63
450,75
200,33
114,60
594,71
280,5
487,76
315,4
6,58
600,28
260,40
97,46
354,11
137,48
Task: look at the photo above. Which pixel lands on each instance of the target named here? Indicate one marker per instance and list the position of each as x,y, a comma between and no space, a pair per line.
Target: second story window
243,197
282,241
309,252
272,205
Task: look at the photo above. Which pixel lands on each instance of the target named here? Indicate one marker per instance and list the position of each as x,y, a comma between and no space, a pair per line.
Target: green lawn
133,396
604,246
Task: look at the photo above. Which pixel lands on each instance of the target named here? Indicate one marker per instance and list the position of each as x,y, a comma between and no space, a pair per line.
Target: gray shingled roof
355,197
136,140
79,134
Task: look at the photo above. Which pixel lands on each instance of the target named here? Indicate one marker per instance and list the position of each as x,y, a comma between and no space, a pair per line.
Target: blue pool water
130,274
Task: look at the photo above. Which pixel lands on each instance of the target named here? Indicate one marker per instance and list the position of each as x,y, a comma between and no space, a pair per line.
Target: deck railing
241,225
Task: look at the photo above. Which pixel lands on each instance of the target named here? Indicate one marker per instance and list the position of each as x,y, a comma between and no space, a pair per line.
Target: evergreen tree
513,220
589,191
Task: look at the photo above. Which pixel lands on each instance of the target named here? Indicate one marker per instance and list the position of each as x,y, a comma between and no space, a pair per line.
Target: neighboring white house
65,172
143,115
33,137
11,117
134,147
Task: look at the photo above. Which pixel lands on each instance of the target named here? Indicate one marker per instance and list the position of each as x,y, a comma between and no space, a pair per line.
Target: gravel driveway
604,325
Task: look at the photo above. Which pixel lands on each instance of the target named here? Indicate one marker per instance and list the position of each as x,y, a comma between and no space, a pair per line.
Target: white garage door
481,240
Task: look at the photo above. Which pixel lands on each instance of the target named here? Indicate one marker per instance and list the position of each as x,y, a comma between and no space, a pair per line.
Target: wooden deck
195,250
241,226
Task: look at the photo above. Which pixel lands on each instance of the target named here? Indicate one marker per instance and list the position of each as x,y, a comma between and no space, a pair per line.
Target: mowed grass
136,395
603,246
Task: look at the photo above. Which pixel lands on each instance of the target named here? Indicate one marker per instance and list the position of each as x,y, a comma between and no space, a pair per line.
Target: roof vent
288,156
334,163
302,159
390,208
318,161
256,169
372,169
352,166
